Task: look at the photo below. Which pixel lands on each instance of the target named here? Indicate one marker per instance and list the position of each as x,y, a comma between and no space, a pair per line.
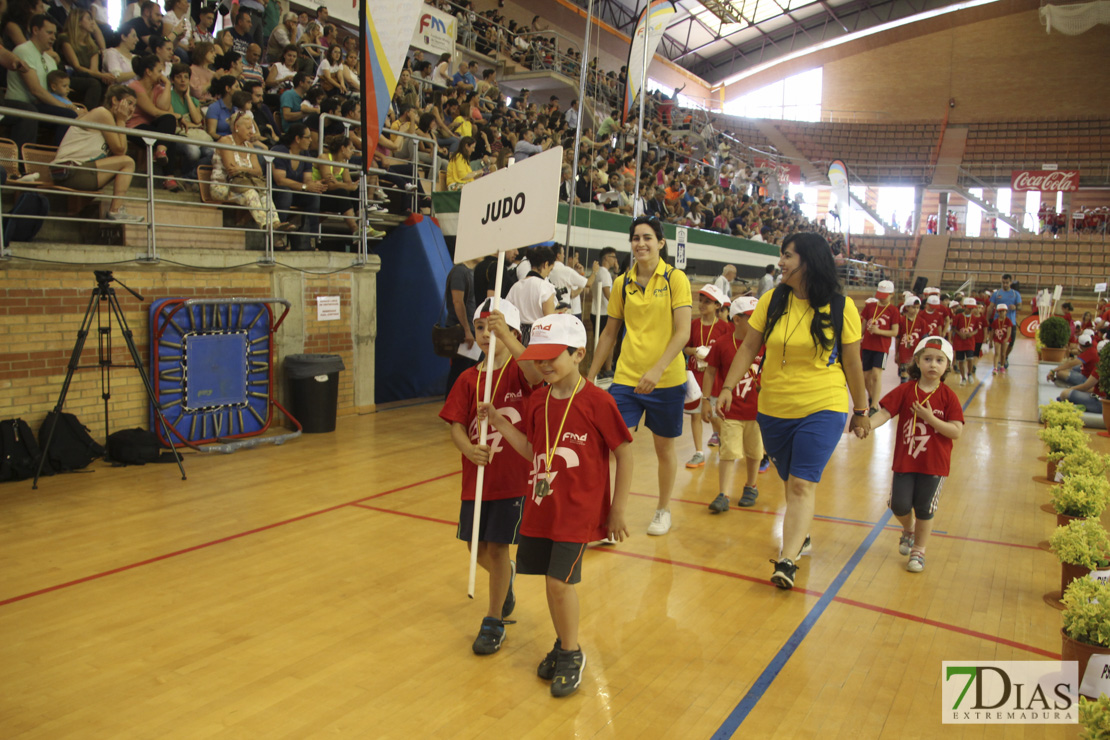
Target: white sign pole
483,430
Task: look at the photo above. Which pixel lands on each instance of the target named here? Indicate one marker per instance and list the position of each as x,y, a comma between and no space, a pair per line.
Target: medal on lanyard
542,486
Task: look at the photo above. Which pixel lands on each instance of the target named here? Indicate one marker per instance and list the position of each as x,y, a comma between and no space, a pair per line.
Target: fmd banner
435,33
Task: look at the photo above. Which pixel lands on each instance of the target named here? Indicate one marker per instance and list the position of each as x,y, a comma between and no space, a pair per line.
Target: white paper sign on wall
511,208
680,247
327,308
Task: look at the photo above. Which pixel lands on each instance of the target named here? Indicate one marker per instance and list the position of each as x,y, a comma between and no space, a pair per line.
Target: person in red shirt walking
880,326
964,329
705,331
936,324
502,498
569,430
929,419
1001,329
910,331
740,436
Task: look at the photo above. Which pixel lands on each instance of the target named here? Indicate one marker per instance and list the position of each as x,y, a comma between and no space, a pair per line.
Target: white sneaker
375,208
123,216
660,523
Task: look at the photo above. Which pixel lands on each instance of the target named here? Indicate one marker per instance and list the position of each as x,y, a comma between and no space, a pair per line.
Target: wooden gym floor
317,589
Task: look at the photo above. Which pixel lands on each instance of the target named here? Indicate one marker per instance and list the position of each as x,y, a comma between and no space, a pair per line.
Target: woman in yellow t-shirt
459,172
653,303
803,403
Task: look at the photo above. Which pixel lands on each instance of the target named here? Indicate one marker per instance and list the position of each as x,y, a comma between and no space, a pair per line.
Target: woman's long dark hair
656,226
821,284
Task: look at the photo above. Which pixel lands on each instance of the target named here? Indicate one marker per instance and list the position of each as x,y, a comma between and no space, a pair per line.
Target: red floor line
405,513
834,520
765,582
949,627
204,545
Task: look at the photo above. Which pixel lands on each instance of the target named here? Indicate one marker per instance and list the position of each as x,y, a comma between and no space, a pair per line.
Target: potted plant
1054,334
1062,414
1081,496
1104,382
1094,717
1082,546
1083,460
1060,441
1086,629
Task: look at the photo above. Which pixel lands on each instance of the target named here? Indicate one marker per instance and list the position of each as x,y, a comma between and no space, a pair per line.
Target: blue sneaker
765,464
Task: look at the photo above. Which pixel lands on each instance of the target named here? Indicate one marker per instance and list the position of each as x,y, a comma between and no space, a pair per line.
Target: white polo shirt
565,277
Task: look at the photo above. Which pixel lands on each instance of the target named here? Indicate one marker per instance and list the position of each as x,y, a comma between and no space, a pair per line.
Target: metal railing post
271,211
363,223
151,246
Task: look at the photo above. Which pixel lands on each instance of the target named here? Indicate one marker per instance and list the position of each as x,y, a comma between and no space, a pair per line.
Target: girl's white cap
970,302
745,304
1102,344
713,293
933,300
953,304
935,343
508,310
912,300
1086,337
931,291
1000,307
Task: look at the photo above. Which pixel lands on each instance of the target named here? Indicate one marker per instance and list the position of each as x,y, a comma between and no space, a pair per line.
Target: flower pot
1069,573
1081,653
1062,520
1050,466
1106,412
1053,354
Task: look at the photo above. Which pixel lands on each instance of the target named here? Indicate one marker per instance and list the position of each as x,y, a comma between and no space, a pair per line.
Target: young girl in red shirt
929,419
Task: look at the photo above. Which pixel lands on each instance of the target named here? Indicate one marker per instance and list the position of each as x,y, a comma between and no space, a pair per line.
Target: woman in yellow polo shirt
459,172
803,403
653,303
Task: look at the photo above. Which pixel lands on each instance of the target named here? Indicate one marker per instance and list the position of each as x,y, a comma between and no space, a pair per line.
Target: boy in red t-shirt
880,326
740,435
705,330
964,329
1001,328
569,430
502,498
935,324
910,331
929,419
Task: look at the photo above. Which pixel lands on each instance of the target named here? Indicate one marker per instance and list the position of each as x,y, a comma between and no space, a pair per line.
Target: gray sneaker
905,543
122,216
697,461
720,504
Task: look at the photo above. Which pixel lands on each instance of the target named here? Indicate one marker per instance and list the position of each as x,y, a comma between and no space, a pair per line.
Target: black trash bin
314,390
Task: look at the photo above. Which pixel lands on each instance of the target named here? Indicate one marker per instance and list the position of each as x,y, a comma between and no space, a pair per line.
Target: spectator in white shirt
533,296
566,278
724,280
767,282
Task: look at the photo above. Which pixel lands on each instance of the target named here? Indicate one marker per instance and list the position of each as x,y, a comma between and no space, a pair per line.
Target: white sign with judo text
680,234
511,208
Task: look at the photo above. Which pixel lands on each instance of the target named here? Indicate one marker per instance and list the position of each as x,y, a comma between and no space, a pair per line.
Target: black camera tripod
104,293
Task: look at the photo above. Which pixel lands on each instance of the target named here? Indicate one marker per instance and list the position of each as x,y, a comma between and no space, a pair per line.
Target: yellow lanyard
547,426
493,393
922,401
701,332
881,312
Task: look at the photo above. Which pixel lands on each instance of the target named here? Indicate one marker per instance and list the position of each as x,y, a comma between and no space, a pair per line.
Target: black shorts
539,556
978,350
965,354
915,492
873,359
500,520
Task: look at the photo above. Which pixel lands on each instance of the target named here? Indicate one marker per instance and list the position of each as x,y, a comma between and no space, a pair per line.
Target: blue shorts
802,447
663,408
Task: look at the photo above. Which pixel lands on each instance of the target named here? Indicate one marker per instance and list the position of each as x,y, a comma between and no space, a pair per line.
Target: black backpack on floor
137,447
72,448
19,452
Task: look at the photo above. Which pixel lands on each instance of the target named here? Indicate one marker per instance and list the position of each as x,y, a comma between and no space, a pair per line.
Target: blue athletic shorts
662,407
802,447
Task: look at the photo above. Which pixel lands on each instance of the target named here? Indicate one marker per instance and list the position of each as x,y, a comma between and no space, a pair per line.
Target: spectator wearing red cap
880,326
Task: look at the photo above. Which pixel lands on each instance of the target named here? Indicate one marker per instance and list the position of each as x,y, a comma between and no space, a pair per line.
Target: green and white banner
597,229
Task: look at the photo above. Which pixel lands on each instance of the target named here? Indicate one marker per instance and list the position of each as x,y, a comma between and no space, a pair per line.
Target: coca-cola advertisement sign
784,171
1045,180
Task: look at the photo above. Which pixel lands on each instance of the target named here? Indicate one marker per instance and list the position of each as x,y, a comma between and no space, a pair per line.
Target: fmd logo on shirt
576,438
662,291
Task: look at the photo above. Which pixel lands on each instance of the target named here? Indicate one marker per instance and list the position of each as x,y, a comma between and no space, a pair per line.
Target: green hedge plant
1083,542
1081,495
1062,414
1062,440
1087,612
1094,717
1054,333
1083,460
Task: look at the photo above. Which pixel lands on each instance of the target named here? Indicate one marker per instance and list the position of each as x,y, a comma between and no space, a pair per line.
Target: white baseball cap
884,289
508,310
552,334
1086,337
933,300
713,293
931,291
970,302
912,300
1000,307
953,304
872,300
745,304
935,343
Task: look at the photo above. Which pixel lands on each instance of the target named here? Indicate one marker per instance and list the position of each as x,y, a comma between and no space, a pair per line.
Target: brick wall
41,311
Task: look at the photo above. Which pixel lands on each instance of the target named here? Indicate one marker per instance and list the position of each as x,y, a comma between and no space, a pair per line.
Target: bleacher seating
898,252
994,149
1077,262
879,153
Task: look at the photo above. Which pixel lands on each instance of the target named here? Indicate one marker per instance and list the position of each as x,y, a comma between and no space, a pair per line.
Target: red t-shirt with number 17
745,396
918,447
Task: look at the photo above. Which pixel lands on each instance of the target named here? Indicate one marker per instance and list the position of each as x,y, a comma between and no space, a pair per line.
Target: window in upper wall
1003,205
974,225
796,98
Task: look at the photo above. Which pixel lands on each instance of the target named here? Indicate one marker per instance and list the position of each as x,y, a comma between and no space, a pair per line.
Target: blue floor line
732,723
